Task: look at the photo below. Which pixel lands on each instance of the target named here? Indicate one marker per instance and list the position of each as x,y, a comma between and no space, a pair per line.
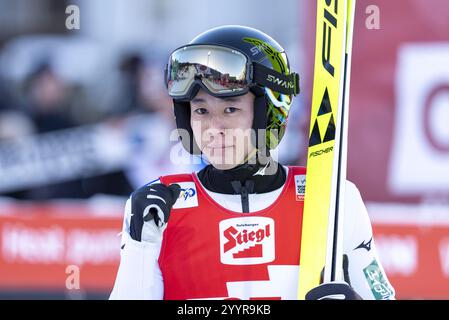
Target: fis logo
187,193
247,240
329,21
188,197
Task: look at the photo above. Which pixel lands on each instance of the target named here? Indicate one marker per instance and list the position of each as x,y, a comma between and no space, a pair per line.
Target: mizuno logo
261,171
364,245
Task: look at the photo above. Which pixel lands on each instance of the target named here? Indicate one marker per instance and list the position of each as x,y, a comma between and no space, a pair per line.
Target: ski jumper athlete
233,229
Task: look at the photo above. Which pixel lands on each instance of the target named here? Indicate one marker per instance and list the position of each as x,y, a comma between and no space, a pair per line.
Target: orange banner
45,250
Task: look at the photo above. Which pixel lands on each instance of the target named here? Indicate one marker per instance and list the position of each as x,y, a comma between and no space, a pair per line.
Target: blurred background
85,120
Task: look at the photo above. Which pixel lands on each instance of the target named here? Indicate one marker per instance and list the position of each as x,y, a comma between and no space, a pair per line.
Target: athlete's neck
257,177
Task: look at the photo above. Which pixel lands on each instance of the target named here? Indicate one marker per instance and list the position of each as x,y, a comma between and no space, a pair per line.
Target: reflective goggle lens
223,71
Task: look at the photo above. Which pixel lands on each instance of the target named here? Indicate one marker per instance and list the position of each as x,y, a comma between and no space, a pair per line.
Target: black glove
335,290
151,202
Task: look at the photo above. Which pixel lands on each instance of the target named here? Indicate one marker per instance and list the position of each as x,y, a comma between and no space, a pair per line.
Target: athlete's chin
222,166
223,162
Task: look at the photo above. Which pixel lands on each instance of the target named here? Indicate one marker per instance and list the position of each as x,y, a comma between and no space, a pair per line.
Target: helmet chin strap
259,119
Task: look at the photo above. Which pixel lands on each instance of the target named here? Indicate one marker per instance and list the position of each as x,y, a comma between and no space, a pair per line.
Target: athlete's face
222,128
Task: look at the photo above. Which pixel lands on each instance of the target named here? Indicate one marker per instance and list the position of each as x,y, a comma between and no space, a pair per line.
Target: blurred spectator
14,122
130,69
5,100
152,92
145,96
141,111
141,86
47,100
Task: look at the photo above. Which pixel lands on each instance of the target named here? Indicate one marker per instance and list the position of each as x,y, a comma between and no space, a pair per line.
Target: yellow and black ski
321,242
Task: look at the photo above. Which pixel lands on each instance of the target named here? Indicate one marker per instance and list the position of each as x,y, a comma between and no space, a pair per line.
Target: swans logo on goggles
188,197
280,82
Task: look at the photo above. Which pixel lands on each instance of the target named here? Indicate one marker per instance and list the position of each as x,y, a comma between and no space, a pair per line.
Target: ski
322,236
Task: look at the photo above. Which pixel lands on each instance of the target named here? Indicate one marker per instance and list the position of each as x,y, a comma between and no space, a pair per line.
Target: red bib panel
210,252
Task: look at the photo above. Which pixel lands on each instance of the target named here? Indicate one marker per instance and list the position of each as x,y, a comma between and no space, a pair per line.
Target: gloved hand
335,290
150,210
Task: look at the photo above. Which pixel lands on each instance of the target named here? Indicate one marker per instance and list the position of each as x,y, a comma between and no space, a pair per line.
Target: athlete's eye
230,110
200,111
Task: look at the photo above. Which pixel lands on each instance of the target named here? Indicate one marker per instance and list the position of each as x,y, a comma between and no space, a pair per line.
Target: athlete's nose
217,123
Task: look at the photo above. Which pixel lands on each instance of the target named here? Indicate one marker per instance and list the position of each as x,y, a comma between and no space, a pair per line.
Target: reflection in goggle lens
222,71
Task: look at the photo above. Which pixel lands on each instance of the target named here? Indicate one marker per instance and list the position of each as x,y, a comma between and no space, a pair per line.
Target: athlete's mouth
219,147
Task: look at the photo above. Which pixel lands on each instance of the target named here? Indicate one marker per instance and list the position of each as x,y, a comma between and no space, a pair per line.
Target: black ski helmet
273,89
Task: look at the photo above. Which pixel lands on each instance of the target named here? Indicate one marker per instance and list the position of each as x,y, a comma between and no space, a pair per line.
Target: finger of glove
137,221
332,291
144,196
135,226
157,210
153,212
155,195
145,189
139,201
346,269
170,194
154,189
175,191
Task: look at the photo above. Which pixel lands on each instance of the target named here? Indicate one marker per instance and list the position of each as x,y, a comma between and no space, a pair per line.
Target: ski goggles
222,71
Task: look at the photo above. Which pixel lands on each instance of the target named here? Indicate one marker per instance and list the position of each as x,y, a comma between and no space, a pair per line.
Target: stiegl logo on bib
247,240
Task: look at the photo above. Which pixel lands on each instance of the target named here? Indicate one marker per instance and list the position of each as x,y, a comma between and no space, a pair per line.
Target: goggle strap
285,84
